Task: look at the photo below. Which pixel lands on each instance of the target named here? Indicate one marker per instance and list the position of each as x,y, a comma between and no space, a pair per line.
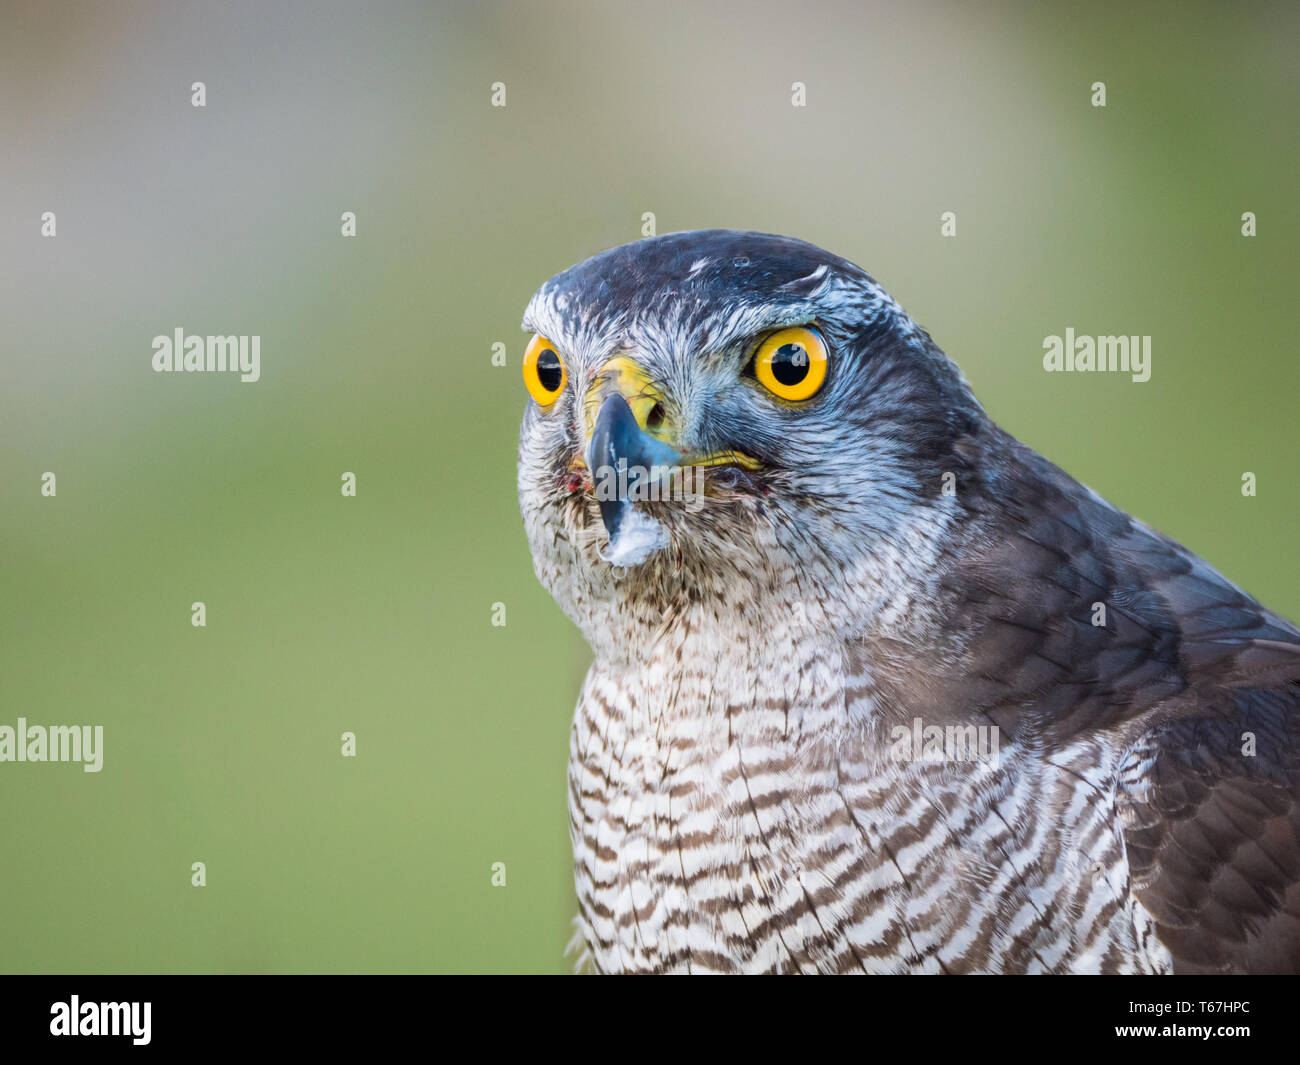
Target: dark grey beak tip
617,438
614,437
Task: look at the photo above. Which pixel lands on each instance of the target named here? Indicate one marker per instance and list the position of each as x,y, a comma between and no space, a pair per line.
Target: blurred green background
373,614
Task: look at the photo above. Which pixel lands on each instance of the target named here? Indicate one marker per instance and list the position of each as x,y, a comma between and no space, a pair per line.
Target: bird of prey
819,568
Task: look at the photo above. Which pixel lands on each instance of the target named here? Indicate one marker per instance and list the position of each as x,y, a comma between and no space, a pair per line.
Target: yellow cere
624,375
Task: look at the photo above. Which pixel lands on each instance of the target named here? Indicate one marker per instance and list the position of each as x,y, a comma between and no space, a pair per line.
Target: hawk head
734,422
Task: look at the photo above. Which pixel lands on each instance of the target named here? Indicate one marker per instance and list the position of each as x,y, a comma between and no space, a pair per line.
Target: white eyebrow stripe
816,275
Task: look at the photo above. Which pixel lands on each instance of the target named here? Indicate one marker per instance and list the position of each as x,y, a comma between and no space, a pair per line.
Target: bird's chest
680,841
724,822
714,822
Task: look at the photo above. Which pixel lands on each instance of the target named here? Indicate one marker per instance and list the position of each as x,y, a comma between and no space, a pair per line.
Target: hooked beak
632,443
618,450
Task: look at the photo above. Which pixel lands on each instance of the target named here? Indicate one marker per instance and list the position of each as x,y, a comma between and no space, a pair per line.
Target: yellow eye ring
544,372
791,363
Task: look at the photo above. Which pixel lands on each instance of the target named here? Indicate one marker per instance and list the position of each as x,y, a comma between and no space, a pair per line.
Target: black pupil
790,364
549,371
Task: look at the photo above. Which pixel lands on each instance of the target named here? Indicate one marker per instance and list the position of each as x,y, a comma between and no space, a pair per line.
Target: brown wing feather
1210,807
1184,667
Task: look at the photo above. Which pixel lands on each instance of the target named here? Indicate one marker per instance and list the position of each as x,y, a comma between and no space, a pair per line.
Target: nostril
654,421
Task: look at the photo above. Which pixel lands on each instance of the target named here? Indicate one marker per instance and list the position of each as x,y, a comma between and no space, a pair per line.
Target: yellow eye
791,363
544,374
